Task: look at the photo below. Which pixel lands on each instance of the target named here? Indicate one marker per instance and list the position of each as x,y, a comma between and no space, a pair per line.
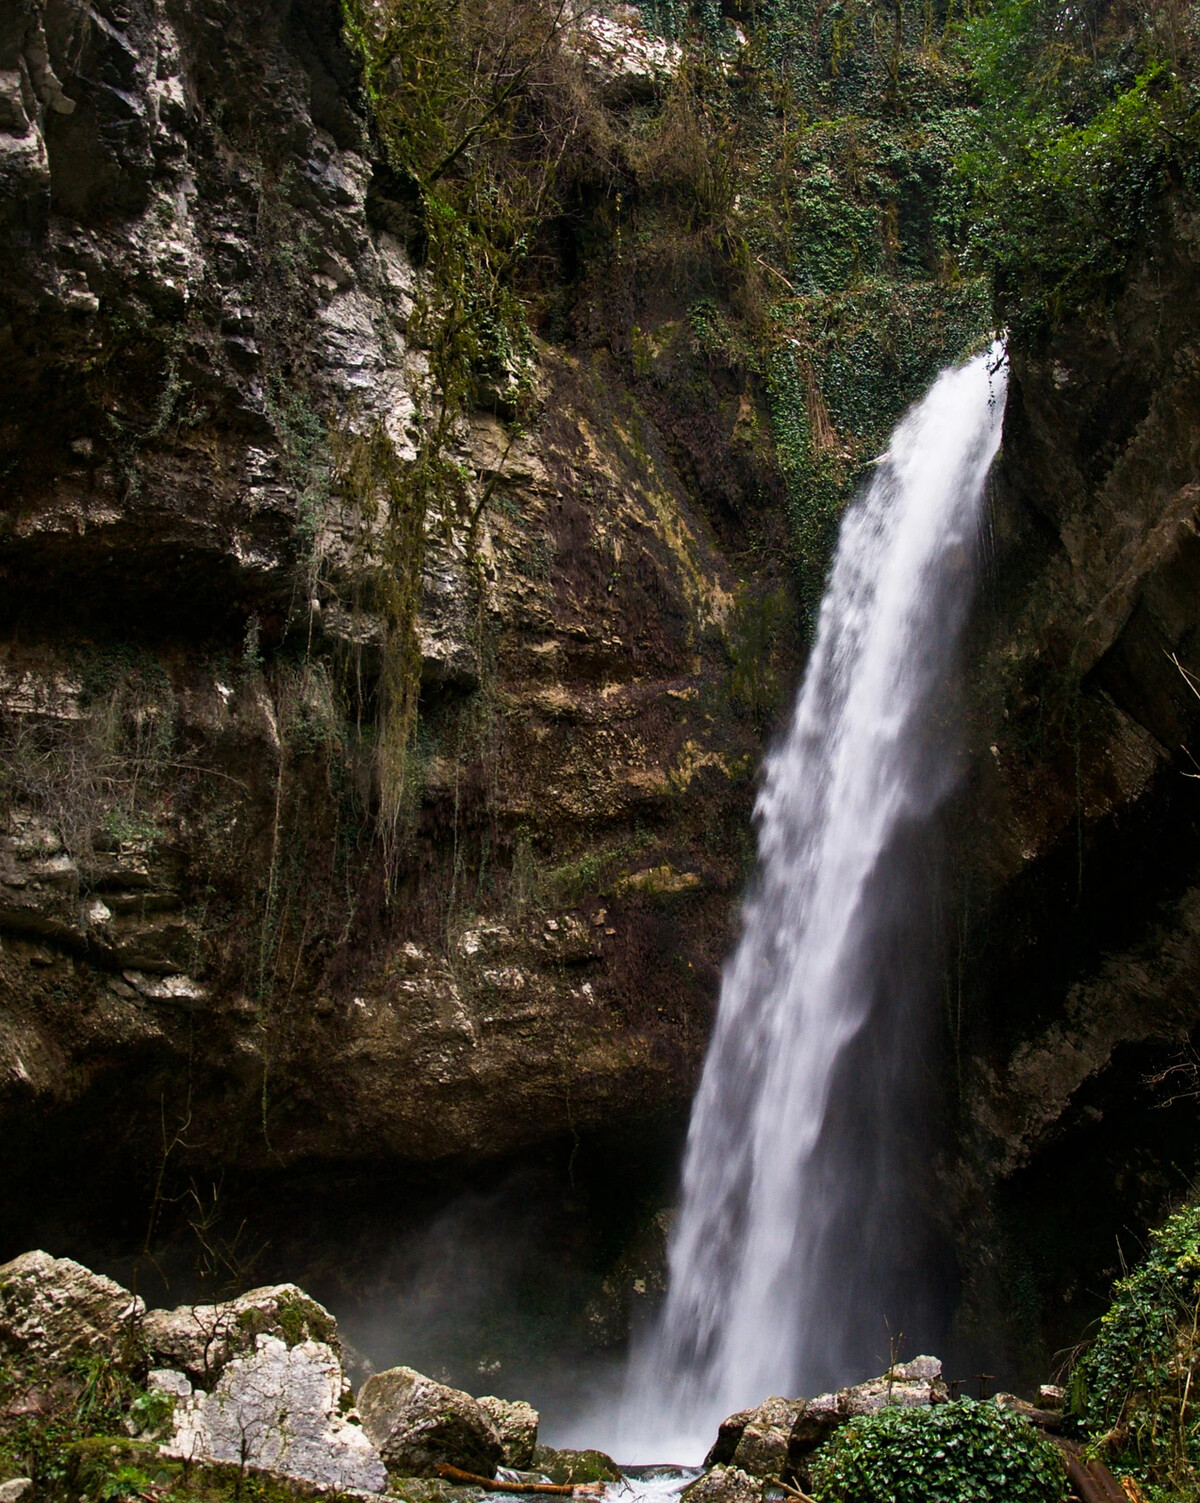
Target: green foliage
853,121
664,18
756,624
1135,1387
563,886
456,91
812,163
1088,130
388,501
88,1397
962,1452
464,97
125,1482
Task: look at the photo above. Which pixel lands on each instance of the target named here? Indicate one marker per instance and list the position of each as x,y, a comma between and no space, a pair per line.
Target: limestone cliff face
205,306
1076,995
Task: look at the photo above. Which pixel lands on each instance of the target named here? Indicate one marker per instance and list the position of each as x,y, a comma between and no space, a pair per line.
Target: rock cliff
1073,1006
207,314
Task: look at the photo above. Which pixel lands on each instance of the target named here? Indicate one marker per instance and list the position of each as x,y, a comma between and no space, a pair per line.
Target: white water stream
796,1246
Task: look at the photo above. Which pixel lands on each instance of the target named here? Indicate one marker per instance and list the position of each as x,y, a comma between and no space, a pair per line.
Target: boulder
724,1484
775,1439
728,1436
575,1467
762,1449
200,1340
53,1310
816,1422
516,1423
280,1409
418,1425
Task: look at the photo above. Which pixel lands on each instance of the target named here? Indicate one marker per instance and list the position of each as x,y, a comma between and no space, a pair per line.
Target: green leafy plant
1134,1391
962,1452
1087,132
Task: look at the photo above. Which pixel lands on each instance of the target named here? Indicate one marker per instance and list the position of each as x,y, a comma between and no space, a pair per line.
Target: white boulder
278,1409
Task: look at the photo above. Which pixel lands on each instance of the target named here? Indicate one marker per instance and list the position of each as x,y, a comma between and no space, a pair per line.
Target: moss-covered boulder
575,1467
516,1424
200,1340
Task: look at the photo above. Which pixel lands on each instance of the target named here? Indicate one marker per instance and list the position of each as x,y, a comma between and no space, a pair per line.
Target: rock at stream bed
432,1490
762,1448
516,1423
575,1467
724,1484
54,1310
418,1425
279,1409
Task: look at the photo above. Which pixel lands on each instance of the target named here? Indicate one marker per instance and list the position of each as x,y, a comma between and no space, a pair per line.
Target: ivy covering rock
1134,1392
959,1452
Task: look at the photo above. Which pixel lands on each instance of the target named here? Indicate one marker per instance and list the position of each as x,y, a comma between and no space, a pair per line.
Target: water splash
797,1238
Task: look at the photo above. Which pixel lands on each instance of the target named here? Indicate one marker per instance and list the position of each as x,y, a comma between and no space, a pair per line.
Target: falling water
797,1243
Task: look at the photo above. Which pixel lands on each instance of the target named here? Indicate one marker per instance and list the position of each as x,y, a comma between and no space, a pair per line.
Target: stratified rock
277,1409
516,1424
418,1425
574,1467
53,1310
762,1449
724,1484
200,1339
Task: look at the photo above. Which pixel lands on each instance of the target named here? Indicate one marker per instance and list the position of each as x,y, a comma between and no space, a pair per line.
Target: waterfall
797,1244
